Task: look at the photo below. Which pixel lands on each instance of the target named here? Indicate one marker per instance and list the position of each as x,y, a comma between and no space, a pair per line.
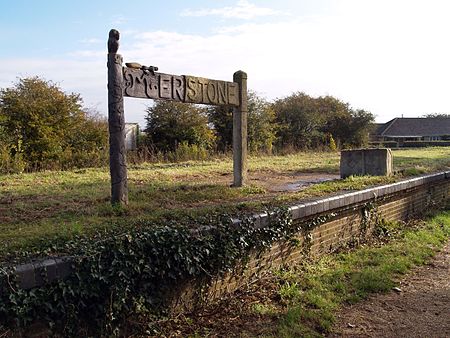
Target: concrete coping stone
263,219
43,271
301,210
294,211
347,199
236,221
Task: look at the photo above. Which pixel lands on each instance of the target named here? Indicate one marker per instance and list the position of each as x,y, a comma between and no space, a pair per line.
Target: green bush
10,164
261,125
170,124
41,127
187,152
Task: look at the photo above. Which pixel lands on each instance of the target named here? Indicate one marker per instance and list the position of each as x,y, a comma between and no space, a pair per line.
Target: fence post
116,123
240,132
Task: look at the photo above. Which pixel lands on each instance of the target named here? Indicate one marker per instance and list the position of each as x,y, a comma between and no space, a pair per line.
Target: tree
8,163
300,118
307,122
261,126
351,129
360,125
437,115
221,118
87,141
43,124
169,124
89,133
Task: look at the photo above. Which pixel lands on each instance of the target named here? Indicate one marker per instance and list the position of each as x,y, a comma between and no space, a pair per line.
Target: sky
390,57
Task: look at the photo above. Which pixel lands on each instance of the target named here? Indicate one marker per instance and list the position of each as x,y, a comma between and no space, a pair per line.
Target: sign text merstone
182,88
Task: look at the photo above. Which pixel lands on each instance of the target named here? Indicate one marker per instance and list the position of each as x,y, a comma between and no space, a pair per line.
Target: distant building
416,129
131,135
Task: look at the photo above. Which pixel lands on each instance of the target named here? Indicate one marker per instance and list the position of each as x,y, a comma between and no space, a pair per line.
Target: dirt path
421,309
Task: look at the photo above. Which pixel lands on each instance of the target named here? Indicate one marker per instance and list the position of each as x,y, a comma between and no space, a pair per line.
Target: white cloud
119,20
388,58
88,53
91,41
242,10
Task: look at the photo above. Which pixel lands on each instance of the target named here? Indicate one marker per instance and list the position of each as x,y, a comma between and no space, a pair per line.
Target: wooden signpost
144,82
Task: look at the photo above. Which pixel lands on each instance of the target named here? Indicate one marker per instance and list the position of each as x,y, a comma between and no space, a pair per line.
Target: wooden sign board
184,88
144,82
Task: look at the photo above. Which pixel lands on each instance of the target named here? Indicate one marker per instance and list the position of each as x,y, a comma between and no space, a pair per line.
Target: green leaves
144,265
144,268
261,126
171,124
45,127
308,122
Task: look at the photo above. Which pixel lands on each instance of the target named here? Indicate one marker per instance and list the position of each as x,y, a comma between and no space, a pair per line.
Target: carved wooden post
240,132
116,122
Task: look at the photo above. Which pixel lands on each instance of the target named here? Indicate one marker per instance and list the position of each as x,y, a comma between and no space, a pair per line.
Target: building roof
415,127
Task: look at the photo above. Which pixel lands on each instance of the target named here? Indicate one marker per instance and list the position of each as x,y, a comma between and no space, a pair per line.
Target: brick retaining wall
351,218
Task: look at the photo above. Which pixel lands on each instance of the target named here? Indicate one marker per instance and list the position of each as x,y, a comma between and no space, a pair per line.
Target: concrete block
342,201
236,221
349,199
320,207
375,162
368,195
334,202
326,204
64,267
308,209
396,188
314,208
294,211
25,274
359,197
376,192
45,271
263,220
301,210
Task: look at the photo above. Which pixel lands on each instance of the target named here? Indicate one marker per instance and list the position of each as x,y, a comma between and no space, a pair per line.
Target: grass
418,161
38,208
314,291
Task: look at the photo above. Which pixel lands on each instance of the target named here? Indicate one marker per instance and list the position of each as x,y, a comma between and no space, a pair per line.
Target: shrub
42,127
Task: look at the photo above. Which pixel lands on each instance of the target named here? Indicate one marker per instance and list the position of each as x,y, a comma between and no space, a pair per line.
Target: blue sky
388,57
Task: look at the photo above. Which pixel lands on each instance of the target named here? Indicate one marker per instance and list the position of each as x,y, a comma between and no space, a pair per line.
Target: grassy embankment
41,206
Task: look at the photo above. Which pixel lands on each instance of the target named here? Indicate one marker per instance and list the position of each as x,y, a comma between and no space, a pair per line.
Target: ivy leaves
140,270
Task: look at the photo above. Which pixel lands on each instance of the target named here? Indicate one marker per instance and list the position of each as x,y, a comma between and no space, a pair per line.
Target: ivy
138,272
369,215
